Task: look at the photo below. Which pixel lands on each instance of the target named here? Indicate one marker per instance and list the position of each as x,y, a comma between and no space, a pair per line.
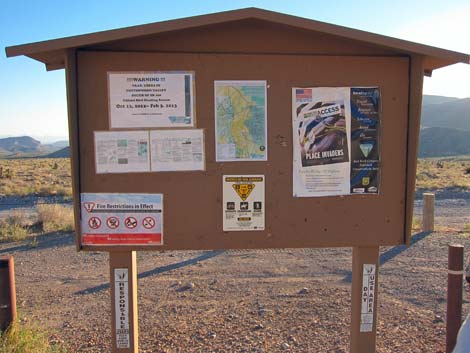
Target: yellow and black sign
243,190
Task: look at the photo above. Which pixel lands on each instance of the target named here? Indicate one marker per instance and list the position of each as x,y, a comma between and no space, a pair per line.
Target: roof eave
47,49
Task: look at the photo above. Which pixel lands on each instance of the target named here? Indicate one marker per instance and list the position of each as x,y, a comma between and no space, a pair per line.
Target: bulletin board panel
193,210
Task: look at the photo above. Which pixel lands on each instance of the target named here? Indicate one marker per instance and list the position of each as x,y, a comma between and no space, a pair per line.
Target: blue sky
32,101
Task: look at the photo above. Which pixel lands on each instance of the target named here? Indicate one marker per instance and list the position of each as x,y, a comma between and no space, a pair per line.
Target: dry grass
55,218
26,338
14,227
35,176
50,218
435,174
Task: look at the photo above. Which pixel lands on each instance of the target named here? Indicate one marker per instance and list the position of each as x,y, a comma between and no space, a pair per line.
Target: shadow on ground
44,241
158,270
392,252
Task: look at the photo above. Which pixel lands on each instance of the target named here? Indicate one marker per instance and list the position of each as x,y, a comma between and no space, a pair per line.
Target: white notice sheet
177,150
151,99
122,151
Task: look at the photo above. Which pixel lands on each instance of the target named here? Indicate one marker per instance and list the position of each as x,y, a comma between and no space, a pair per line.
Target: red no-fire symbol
130,222
148,222
112,222
94,222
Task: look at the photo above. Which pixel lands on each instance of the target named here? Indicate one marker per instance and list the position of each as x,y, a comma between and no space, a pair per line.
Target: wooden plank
363,298
414,124
124,314
74,141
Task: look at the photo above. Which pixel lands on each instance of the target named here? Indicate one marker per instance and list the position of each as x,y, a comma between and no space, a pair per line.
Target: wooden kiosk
285,52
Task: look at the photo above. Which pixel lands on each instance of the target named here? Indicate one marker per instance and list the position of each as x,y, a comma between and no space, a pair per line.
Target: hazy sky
32,101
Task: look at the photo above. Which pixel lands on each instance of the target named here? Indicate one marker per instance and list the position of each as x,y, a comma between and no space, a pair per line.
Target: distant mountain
430,99
57,144
62,153
24,144
451,114
440,142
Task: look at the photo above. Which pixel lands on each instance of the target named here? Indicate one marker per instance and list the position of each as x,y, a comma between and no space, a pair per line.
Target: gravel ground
242,301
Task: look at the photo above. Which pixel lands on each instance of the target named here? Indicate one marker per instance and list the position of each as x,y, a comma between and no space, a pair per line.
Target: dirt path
242,301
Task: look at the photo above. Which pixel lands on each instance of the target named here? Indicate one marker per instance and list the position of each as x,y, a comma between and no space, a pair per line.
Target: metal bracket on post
124,318
365,269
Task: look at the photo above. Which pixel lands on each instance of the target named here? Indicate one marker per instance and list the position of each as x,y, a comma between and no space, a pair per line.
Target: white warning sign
243,202
122,219
121,302
368,297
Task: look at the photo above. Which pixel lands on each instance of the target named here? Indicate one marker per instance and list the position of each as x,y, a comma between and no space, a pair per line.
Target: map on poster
121,219
240,121
243,202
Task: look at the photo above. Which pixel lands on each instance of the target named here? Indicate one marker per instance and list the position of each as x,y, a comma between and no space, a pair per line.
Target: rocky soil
243,301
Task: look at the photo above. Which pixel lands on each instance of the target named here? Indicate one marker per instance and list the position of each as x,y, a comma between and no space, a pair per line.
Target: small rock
285,345
188,286
303,291
212,335
263,311
437,319
259,327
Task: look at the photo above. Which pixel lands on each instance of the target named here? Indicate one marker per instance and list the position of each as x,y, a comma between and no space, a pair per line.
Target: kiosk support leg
365,269
124,324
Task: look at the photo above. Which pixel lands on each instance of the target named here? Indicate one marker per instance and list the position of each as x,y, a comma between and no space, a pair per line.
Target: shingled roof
52,52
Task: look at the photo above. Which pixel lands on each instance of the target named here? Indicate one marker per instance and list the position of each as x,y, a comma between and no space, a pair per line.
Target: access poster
243,202
121,219
335,134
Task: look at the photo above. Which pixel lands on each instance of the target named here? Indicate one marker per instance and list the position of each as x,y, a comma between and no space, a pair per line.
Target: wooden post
123,279
7,292
428,212
365,269
454,295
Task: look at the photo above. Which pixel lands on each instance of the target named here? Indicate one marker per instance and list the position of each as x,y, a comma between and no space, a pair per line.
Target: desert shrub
55,218
26,338
14,227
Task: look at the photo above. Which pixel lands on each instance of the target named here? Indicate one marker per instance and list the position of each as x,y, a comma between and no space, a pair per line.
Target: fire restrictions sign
122,219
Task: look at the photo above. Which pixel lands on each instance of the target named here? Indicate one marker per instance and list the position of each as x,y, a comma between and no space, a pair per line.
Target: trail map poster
335,134
240,121
151,99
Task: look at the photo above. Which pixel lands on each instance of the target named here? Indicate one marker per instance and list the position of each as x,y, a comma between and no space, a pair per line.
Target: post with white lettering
365,269
123,279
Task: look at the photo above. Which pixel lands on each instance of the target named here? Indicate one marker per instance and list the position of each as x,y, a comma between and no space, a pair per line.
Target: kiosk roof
52,52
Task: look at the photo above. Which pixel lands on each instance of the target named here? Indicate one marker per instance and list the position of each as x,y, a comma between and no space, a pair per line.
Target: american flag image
303,94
